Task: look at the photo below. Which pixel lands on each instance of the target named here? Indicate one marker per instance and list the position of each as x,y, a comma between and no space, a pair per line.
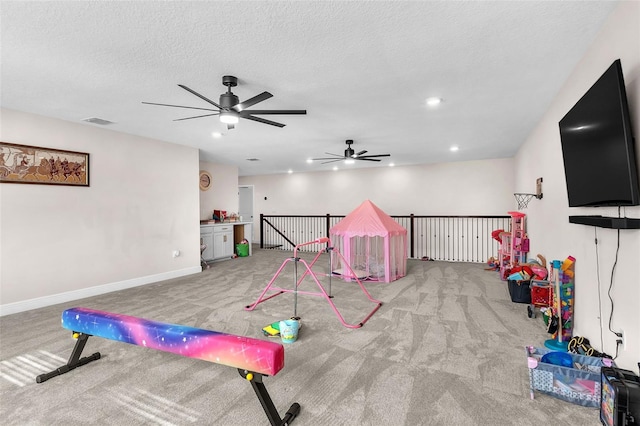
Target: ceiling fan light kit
228,117
230,109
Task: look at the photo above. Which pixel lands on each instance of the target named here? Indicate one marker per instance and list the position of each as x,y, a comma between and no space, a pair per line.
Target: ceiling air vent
99,121
253,159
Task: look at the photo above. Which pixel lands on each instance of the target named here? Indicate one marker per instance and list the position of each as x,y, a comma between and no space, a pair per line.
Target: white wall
548,226
223,194
463,188
62,243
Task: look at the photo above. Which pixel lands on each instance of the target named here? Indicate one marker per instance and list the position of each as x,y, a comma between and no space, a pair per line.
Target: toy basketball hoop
523,199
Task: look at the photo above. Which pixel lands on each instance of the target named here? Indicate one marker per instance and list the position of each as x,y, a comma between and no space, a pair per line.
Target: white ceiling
361,69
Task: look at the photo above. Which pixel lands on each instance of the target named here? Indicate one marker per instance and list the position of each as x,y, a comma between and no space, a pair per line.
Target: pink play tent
372,242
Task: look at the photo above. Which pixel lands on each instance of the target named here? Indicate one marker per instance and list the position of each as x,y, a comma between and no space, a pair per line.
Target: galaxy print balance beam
253,358
258,356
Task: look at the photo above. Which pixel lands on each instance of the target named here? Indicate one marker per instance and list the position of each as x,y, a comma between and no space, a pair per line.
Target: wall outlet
621,339
176,253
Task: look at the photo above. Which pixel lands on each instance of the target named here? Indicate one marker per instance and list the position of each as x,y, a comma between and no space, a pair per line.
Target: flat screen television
598,147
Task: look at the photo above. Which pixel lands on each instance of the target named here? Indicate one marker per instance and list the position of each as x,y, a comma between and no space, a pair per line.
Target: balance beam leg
74,360
265,400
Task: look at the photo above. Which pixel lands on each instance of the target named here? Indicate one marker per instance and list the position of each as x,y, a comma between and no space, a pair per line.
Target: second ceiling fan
230,109
350,154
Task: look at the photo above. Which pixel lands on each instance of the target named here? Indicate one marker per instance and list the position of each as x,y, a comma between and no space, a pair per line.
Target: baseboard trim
42,302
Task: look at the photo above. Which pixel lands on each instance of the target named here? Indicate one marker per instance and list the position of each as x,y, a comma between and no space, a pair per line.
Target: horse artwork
30,164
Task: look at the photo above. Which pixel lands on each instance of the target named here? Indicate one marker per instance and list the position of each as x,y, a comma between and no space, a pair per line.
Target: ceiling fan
350,155
230,109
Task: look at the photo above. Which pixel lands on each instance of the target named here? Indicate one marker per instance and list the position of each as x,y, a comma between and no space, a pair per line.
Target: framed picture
32,164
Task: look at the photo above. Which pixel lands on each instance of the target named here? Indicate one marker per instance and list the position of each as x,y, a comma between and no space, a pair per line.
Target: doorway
245,199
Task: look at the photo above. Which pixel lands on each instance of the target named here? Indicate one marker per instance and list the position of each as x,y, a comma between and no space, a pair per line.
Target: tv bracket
523,199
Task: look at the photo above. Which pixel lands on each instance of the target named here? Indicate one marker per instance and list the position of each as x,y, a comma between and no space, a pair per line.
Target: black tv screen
598,146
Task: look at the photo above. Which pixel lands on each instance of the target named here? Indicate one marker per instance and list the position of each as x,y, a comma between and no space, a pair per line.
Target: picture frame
38,165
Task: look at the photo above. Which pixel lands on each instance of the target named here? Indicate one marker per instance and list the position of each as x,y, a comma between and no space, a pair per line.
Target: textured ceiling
362,70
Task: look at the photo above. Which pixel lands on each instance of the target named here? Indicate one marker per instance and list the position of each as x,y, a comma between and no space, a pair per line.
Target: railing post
411,238
261,230
328,225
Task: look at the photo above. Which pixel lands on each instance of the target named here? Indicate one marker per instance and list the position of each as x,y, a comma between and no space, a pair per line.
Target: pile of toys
533,269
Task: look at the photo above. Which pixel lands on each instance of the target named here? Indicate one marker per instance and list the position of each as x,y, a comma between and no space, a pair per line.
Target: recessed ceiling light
309,160
433,101
216,135
454,148
335,168
349,161
290,171
391,164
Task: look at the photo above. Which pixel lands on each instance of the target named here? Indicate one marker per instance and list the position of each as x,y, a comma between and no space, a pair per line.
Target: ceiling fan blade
252,101
329,158
366,159
275,112
332,161
360,153
197,116
200,96
179,106
262,120
370,156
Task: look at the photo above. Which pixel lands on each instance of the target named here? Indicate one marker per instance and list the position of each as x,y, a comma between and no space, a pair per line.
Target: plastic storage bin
242,250
579,385
519,291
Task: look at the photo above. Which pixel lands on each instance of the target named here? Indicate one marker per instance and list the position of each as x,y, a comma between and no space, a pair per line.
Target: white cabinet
221,238
222,241
206,238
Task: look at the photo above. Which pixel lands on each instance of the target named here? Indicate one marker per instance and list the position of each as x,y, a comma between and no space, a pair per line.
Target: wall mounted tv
598,146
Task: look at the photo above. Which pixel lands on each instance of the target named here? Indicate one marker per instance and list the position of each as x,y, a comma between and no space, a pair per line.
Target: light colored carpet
446,348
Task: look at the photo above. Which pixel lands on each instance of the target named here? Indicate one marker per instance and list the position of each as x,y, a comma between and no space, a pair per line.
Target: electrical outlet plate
620,340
